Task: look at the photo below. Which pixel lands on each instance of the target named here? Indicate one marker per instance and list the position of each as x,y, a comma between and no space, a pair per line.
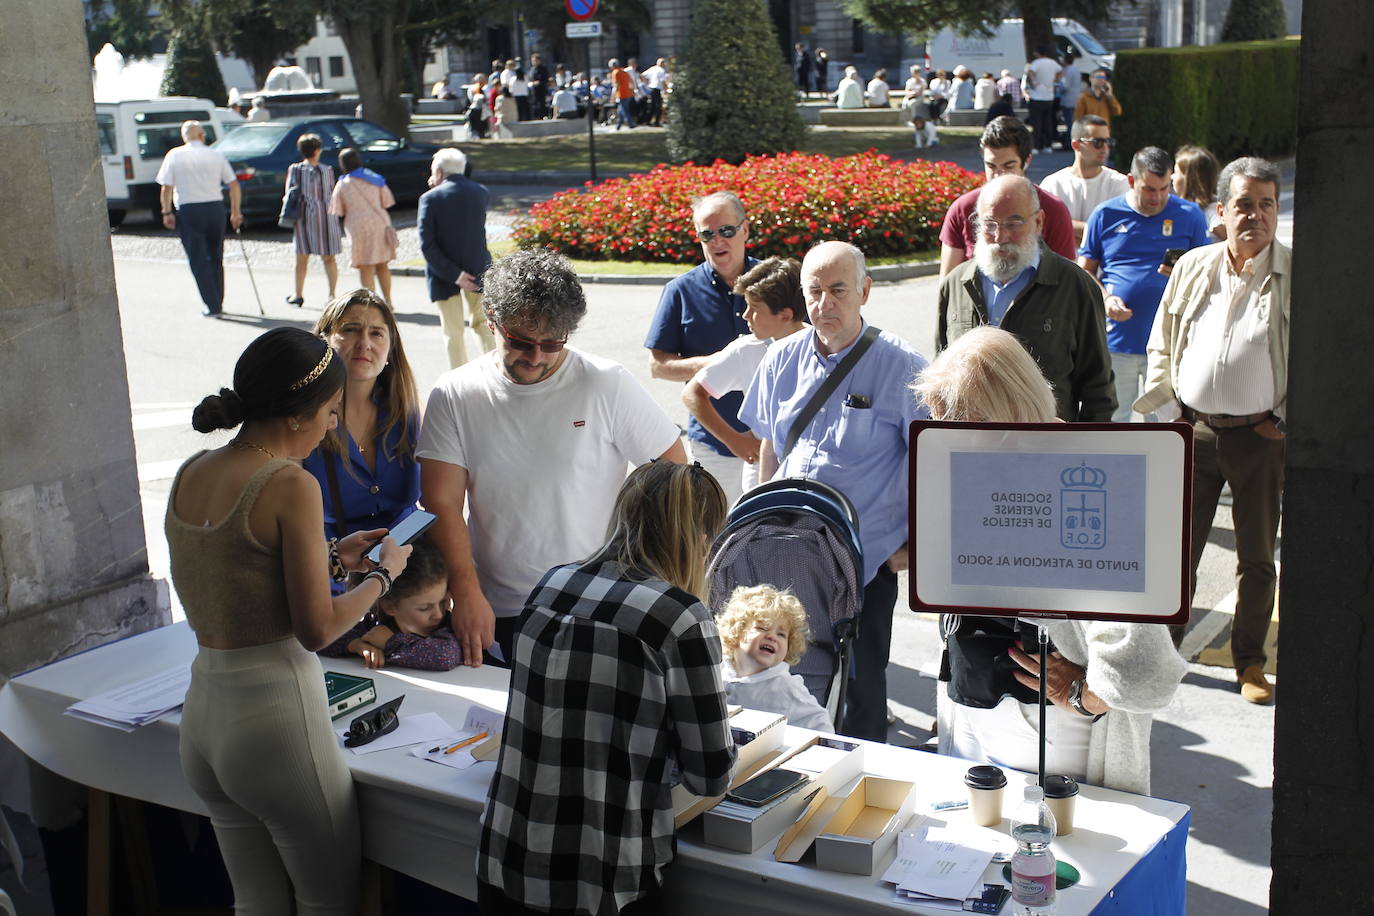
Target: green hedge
1234,99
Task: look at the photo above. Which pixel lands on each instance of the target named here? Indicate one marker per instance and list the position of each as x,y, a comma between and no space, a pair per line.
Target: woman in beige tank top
248,562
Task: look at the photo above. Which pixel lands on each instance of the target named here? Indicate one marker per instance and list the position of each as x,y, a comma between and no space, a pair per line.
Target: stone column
1324,721
73,568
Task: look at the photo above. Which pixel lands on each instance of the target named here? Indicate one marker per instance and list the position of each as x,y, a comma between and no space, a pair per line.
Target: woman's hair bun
218,411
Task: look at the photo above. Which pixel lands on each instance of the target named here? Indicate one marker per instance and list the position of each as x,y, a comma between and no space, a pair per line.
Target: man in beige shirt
1218,357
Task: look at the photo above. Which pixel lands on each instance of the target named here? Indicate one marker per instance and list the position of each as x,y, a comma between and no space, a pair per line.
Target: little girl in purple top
409,628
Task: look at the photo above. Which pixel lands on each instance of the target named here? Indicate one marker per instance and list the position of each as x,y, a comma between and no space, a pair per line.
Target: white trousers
451,320
258,748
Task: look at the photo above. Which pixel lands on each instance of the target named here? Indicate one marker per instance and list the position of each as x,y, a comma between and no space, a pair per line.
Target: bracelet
383,576
337,572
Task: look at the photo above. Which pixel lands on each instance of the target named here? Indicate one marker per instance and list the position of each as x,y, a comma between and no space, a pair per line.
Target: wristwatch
1076,700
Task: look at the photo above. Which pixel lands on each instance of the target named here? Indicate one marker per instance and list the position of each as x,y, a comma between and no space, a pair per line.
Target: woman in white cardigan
1106,679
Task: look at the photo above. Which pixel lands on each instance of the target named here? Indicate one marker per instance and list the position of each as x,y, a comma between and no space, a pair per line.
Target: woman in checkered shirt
615,684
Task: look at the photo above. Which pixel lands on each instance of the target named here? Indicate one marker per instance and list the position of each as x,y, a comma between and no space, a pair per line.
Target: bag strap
332,478
827,388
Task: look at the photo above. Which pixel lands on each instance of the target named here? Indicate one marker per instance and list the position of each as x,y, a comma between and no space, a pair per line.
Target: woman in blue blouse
366,468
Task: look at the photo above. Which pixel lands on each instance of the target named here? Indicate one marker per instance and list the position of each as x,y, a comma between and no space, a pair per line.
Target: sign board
582,29
1082,520
581,9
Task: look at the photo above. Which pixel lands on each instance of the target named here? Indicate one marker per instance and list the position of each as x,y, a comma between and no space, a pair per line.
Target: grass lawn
640,150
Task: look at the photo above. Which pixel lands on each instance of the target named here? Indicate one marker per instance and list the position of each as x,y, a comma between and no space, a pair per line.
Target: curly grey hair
535,290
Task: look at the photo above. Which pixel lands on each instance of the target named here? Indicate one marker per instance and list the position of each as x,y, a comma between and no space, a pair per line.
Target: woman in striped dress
317,231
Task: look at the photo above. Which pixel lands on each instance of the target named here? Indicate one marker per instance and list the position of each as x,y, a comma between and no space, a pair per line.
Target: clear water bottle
1032,866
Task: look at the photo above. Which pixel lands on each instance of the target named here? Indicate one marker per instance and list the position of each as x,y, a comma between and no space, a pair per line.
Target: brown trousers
1253,466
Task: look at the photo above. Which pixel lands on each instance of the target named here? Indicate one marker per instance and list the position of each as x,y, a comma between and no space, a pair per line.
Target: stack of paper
128,707
941,866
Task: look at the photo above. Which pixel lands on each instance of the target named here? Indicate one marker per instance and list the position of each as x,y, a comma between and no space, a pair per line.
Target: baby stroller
802,535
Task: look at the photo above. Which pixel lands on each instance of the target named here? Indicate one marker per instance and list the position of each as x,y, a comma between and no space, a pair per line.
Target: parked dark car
261,152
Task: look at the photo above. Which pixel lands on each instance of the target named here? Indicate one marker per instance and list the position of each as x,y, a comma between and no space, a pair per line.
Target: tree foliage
191,69
126,24
732,90
266,31
1254,20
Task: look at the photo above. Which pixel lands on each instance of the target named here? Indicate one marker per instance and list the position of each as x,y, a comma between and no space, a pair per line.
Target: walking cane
238,233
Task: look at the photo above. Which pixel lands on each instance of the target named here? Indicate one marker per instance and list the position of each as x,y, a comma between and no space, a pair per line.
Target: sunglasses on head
525,345
725,232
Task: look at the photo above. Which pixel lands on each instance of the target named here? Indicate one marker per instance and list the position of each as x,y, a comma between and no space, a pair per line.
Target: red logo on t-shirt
577,424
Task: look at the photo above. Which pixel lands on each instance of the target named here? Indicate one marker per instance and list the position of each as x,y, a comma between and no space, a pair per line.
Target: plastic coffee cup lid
1060,787
985,777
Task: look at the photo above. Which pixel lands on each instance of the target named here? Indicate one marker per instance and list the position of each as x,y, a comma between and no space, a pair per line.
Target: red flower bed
884,206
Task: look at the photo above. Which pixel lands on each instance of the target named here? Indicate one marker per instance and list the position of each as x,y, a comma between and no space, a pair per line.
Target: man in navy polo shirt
698,315
1123,249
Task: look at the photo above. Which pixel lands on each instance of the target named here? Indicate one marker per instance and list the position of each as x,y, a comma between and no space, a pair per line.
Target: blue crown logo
1083,477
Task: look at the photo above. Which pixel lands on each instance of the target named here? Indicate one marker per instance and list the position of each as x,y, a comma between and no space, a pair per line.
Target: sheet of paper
131,705
427,726
460,759
941,863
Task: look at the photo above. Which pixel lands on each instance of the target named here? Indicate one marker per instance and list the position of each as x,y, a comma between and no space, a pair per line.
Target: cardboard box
830,762
864,825
758,739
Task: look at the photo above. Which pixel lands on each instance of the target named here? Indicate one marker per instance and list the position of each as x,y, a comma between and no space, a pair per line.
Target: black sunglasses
372,725
525,345
1099,142
725,232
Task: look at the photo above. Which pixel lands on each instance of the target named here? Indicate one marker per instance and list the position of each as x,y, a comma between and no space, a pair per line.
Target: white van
135,135
1006,49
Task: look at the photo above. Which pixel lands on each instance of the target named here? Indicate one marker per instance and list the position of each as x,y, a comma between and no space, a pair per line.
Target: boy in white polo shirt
774,309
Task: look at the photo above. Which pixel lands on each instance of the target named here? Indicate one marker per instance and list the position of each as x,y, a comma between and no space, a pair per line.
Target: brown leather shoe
1254,686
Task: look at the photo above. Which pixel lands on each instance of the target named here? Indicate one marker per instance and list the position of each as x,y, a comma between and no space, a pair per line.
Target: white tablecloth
421,819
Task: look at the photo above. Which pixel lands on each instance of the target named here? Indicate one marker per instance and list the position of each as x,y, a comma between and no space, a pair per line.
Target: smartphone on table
766,786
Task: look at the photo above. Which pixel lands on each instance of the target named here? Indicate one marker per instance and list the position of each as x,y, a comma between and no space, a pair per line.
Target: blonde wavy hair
986,375
750,603
663,522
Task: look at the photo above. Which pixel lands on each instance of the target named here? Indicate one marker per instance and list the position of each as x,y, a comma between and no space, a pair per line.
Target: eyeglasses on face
725,232
525,345
992,226
1099,142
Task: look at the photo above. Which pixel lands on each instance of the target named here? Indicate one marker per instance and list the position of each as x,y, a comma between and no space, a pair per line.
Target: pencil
465,742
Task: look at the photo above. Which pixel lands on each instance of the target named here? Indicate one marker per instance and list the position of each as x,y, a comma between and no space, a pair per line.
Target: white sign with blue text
1078,520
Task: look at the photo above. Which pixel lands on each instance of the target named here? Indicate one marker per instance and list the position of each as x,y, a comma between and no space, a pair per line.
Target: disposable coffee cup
985,785
1061,794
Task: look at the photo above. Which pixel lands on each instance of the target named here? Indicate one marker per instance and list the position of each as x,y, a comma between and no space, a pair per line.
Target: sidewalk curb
882,273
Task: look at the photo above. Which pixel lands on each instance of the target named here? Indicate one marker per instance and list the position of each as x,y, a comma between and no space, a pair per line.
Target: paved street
1212,750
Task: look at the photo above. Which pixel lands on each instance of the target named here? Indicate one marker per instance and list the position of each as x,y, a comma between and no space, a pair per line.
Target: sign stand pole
591,115
1044,658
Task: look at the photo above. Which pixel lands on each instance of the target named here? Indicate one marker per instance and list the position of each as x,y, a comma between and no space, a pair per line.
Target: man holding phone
1125,248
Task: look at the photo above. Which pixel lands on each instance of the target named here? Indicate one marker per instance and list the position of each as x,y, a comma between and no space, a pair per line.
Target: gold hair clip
315,373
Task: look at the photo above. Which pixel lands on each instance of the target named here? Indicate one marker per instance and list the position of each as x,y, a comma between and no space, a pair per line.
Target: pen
465,742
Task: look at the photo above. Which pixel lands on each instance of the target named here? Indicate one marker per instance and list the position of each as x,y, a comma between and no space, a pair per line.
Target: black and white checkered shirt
614,683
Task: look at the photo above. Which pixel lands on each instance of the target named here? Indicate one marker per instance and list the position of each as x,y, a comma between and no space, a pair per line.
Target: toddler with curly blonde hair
763,631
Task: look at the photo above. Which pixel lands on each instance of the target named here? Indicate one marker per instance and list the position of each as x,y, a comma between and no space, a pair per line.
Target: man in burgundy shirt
1006,146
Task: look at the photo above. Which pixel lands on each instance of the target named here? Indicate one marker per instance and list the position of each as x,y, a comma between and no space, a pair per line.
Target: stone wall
73,569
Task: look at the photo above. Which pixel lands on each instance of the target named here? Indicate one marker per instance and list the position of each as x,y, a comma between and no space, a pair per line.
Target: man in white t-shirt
192,179
1089,181
773,308
534,440
1041,76
657,75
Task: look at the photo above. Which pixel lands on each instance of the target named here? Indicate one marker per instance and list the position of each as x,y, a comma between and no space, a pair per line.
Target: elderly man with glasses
1053,307
534,440
1089,181
831,403
698,315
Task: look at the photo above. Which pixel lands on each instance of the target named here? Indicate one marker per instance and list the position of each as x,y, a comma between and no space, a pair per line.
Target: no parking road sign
581,9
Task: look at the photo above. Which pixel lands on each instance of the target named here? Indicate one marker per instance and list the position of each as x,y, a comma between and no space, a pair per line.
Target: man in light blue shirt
856,442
